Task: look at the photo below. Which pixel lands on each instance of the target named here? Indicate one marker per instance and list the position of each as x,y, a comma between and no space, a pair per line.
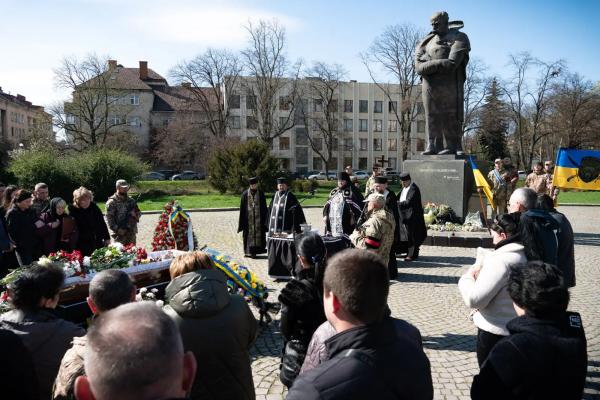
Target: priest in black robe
413,230
254,219
285,212
343,208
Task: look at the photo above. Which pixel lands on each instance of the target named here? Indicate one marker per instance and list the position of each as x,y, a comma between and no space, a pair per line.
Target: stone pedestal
446,179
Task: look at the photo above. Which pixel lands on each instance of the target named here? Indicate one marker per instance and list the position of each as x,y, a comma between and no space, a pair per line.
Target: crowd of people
33,225
340,339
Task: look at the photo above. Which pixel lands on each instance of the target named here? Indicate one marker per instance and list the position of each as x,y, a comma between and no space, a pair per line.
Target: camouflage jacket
376,234
499,187
122,213
71,367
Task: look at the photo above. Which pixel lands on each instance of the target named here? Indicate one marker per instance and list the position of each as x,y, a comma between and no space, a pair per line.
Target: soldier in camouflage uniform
122,215
497,177
377,233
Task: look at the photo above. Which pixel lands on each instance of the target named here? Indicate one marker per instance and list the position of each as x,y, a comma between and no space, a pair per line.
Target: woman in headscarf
58,229
302,304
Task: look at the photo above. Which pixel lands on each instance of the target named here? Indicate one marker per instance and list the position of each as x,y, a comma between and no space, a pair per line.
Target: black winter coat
91,228
301,314
411,215
21,228
566,248
541,359
17,373
219,329
381,366
538,234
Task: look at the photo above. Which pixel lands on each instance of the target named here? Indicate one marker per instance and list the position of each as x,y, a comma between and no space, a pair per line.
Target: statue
441,59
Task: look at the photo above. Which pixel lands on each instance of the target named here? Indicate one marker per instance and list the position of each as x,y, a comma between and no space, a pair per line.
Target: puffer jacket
219,329
47,338
488,293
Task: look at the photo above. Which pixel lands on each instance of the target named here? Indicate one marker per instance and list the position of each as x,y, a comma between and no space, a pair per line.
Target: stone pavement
426,295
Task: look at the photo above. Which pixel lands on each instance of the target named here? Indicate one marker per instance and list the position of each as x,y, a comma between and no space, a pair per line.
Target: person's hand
55,224
474,271
39,224
479,190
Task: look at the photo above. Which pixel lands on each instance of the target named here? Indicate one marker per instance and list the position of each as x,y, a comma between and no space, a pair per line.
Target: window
392,106
284,143
377,142
392,125
251,122
392,162
317,144
362,163
348,105
332,164
284,103
348,145
392,144
363,106
301,138
70,119
363,125
234,101
364,142
420,144
134,100
167,121
347,161
250,102
378,106
420,126
332,106
283,121
334,143
377,125
301,155
317,123
134,121
317,105
284,163
235,122
348,125
317,163
114,120
420,109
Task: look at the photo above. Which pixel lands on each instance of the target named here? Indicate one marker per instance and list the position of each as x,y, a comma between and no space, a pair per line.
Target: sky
36,34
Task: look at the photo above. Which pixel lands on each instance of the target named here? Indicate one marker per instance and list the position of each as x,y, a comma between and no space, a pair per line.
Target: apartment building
20,120
367,127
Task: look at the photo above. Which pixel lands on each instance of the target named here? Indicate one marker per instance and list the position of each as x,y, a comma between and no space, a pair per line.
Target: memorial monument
441,170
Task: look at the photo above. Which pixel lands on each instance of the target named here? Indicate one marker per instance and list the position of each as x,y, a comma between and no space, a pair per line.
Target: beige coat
376,233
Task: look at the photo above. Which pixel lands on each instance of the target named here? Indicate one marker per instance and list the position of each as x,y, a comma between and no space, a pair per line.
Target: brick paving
426,295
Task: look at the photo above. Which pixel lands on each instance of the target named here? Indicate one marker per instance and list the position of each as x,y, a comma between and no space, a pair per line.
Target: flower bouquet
72,263
173,229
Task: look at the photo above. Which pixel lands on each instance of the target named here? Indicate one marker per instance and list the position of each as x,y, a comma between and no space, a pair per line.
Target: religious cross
382,161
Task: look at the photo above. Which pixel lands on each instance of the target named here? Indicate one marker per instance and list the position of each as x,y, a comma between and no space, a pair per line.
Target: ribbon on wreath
179,213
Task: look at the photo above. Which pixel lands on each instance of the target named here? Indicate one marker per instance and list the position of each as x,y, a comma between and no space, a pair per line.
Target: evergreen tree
491,134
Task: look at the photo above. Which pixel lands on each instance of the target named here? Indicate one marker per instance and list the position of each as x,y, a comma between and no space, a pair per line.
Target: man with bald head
135,352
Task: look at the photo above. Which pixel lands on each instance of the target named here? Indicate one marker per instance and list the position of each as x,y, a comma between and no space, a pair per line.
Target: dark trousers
392,265
485,343
413,252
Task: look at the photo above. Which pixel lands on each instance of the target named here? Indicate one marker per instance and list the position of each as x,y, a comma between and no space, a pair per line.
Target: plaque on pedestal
445,179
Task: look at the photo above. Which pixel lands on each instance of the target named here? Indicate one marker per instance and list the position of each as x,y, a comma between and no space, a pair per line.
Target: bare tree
210,77
96,110
273,81
390,62
322,121
475,92
528,95
575,114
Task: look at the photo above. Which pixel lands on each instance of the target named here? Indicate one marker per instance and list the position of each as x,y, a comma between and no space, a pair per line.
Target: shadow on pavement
450,341
437,262
268,343
587,239
422,278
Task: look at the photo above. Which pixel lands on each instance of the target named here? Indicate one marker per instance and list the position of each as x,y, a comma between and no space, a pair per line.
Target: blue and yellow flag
481,182
577,169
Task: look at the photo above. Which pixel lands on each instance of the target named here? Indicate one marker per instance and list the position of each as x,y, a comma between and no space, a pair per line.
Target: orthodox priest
285,212
413,231
342,210
254,217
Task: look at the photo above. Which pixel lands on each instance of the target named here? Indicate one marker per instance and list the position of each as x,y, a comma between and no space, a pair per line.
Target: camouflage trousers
128,238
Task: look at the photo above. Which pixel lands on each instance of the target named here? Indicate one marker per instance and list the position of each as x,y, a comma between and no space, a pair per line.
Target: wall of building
19,120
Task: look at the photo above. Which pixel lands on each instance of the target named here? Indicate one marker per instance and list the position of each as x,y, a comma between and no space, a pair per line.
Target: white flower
155,290
130,263
87,261
117,245
150,295
44,262
160,303
108,253
138,297
143,290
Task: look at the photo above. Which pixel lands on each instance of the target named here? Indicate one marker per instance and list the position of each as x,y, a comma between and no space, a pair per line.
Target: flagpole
483,209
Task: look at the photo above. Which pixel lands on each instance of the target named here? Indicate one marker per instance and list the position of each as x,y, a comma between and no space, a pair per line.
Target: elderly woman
91,227
20,223
34,296
302,305
217,327
57,230
483,286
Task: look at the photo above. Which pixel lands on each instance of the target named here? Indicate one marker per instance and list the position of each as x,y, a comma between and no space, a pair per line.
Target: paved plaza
426,295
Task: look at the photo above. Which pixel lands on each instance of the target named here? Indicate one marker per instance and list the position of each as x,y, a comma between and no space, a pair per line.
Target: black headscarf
53,203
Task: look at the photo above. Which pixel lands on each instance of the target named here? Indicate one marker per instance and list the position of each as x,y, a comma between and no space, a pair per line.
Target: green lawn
198,194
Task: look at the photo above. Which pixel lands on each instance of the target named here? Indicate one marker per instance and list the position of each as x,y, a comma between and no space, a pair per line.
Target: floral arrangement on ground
441,218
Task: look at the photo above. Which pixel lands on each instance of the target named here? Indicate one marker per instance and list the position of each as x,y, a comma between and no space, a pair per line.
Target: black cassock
341,212
285,213
254,221
411,217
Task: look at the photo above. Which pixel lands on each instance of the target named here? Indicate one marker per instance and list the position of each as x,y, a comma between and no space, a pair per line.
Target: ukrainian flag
577,169
481,182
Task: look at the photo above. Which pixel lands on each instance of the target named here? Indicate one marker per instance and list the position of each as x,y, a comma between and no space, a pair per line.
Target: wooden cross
382,161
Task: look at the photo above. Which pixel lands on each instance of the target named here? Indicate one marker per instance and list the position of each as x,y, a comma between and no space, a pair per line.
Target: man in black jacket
366,358
545,356
412,230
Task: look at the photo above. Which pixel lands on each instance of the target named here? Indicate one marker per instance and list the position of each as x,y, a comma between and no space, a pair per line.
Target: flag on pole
577,169
481,182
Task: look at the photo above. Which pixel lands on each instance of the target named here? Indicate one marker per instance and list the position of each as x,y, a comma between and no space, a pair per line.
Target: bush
229,169
96,169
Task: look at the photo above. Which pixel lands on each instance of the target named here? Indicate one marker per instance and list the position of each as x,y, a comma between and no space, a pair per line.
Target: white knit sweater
488,292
